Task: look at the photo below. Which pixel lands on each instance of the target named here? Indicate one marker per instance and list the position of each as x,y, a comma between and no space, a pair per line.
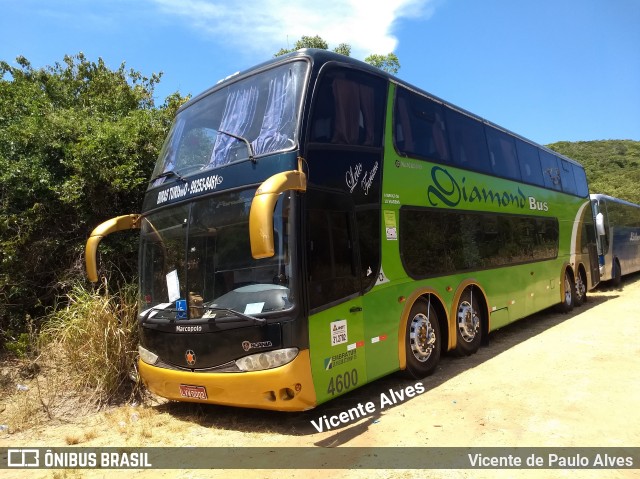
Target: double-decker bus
618,238
314,223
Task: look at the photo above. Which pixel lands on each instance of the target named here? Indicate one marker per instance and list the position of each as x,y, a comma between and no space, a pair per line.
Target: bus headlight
267,360
147,356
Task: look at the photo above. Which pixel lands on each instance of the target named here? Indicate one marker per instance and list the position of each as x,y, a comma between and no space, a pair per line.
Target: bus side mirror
262,205
600,224
119,223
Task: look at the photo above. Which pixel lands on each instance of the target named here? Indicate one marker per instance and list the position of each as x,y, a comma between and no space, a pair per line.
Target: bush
93,342
78,142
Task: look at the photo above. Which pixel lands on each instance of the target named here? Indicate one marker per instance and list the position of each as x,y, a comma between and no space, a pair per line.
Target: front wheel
422,340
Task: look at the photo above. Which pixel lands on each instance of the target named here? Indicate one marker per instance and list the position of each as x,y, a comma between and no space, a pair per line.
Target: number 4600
342,382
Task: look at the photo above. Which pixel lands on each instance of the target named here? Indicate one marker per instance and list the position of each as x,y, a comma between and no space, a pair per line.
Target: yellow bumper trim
286,388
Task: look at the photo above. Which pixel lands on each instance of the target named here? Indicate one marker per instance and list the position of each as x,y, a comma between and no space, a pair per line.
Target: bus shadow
626,281
300,423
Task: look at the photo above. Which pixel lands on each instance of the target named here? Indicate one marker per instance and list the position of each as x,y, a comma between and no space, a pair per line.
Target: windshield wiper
239,315
167,174
146,315
243,139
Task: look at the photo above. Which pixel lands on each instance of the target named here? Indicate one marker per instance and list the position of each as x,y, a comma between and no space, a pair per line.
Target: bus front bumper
285,388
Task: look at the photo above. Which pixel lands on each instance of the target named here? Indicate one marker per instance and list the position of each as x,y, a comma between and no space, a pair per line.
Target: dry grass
95,338
82,361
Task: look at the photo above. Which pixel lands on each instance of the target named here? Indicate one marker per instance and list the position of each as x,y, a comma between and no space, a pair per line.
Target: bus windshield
198,255
257,115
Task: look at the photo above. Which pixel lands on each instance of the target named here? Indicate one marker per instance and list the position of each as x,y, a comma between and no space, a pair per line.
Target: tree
78,142
305,42
388,62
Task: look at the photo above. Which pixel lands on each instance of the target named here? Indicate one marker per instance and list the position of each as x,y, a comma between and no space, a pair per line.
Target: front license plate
193,392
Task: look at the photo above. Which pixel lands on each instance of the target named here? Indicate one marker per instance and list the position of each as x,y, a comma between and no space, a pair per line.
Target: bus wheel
581,288
468,324
569,294
423,341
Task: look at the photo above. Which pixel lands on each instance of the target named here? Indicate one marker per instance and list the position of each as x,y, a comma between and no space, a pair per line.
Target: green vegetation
77,144
93,340
389,62
612,166
83,357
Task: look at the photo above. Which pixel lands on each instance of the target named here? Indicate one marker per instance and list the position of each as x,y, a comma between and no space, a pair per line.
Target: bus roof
613,199
319,57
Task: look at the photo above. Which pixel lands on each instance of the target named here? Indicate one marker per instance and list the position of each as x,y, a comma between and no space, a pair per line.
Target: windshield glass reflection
254,116
196,261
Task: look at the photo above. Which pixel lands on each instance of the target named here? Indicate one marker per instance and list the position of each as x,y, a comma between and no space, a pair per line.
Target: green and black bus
314,223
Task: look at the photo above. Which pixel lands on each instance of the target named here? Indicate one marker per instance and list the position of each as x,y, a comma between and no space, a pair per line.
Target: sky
550,70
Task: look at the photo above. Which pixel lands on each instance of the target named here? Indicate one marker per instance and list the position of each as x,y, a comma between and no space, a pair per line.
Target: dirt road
555,380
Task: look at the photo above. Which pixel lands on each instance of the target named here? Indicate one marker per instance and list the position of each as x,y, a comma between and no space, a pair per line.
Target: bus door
336,320
602,240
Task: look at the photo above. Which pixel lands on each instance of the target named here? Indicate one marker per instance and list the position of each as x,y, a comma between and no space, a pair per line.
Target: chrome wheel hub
422,337
468,321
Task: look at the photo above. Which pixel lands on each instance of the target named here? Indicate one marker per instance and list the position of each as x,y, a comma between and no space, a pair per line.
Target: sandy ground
550,380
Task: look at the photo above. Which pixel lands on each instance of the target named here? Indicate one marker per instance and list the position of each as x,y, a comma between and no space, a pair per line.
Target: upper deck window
420,128
260,109
349,109
550,170
468,142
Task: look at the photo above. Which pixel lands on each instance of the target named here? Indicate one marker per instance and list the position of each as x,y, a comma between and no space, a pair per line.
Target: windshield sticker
339,332
173,285
181,309
254,308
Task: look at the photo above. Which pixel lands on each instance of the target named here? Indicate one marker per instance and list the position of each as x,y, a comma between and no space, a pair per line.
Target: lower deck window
435,242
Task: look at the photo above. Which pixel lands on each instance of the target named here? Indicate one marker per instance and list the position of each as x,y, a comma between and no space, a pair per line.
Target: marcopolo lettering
446,190
189,329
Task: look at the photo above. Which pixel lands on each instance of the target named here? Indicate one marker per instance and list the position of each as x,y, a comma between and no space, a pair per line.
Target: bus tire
581,288
616,274
468,323
423,341
568,300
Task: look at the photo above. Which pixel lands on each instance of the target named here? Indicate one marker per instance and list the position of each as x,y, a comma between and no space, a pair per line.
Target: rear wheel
423,341
569,294
468,323
581,288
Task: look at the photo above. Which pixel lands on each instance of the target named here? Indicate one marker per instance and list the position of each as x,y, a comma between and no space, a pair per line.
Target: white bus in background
618,232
